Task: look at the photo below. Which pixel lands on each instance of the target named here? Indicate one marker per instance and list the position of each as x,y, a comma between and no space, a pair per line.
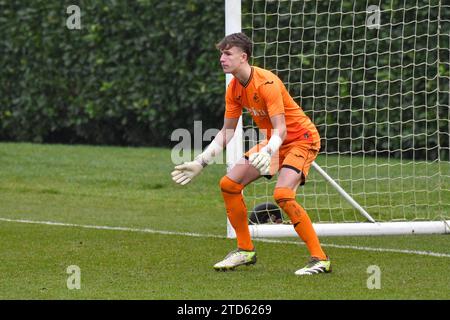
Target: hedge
137,70
134,72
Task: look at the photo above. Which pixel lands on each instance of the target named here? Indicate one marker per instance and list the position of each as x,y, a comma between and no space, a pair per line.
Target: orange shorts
297,155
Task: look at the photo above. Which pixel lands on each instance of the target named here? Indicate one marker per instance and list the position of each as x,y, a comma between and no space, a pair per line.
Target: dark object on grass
266,213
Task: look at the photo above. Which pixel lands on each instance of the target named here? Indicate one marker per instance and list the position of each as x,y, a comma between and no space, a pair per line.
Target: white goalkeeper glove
261,160
184,173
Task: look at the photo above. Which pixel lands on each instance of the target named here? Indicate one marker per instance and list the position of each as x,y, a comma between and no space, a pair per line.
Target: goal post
235,147
375,79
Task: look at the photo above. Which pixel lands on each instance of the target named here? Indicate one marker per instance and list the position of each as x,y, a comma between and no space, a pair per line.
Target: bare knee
243,172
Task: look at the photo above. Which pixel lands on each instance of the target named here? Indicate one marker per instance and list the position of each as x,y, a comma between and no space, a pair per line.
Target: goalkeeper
292,143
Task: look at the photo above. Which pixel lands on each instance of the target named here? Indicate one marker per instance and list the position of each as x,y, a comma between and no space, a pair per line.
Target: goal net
374,78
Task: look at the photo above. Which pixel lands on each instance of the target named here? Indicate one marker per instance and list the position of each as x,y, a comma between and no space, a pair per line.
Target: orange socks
236,211
285,198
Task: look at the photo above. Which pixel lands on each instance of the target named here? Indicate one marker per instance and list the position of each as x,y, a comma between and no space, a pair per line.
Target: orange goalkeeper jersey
265,96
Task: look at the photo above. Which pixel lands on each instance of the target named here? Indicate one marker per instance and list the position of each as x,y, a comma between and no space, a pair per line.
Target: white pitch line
343,246
199,235
145,230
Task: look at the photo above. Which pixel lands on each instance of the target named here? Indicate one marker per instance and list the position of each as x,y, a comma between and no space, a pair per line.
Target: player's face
231,59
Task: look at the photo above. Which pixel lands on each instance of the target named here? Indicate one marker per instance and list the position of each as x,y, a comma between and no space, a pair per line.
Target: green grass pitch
132,188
